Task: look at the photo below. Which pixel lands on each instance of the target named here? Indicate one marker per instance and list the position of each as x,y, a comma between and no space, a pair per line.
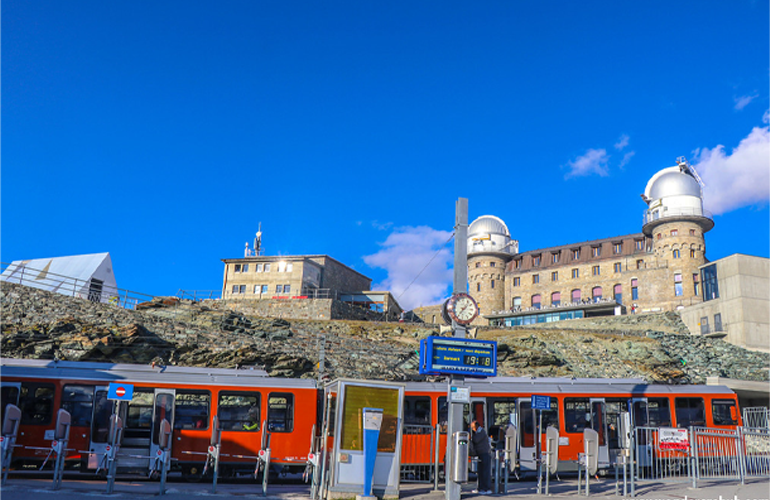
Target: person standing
481,448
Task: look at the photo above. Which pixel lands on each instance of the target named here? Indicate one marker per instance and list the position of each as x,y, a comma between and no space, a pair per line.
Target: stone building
657,269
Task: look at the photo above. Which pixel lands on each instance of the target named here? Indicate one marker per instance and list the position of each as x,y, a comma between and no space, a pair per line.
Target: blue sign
541,402
120,392
471,357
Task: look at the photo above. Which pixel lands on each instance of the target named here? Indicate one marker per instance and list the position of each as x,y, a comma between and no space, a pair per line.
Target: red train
250,404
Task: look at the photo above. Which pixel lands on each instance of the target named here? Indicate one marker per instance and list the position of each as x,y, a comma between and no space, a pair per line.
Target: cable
426,265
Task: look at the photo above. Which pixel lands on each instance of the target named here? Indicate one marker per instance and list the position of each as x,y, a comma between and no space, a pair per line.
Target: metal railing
657,214
91,289
756,417
658,461
197,295
417,453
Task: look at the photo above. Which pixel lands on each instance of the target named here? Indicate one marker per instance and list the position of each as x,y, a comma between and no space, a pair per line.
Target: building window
678,291
492,264
596,293
617,248
536,260
640,264
555,257
257,289
696,284
617,267
282,267
535,279
677,254
692,254
639,244
517,281
556,298
660,235
492,283
555,276
596,270
596,251
710,282
517,303
237,268
576,295
536,301
245,268
674,232
517,264
278,288
618,292
576,273
478,264
478,287
692,232
259,268
575,254
634,289
718,322
286,288
235,288
289,267
267,268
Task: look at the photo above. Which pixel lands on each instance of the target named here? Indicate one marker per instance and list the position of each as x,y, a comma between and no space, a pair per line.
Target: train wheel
192,473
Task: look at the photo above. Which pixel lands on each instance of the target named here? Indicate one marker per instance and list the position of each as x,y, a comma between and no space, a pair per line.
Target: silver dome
674,184
488,224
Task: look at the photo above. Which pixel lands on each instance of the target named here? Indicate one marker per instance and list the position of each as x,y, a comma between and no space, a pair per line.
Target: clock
460,308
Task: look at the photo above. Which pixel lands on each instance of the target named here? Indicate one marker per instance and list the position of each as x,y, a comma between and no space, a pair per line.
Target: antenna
684,165
258,242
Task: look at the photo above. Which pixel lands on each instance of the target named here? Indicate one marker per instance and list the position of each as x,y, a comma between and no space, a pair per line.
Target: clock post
460,285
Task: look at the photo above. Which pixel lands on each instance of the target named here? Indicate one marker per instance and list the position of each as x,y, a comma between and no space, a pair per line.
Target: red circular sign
311,456
261,453
107,448
120,392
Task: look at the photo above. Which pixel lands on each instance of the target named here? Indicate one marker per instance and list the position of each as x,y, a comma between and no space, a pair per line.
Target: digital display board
471,357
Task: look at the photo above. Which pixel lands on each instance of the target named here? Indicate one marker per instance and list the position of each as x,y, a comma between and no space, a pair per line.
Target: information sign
470,357
673,439
541,402
120,392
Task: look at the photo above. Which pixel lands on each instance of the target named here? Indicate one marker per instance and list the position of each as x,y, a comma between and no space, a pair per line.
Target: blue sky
165,132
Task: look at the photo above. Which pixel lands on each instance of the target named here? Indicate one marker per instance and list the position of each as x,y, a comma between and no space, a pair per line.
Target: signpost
540,403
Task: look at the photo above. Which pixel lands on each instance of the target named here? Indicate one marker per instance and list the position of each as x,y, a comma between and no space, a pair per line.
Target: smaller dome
488,224
674,183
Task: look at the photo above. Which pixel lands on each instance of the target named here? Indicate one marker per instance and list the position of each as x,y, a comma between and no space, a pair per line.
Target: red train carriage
576,404
249,404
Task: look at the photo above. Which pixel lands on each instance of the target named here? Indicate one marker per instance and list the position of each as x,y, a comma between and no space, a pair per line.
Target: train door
640,417
527,435
100,427
599,424
9,394
163,409
478,411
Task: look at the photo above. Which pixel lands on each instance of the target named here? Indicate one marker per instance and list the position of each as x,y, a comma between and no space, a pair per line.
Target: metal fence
92,289
417,453
715,453
756,417
658,461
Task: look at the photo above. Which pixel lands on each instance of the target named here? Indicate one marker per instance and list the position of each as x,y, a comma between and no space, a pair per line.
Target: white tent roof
54,274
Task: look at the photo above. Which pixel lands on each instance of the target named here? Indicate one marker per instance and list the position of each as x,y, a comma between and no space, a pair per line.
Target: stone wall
487,283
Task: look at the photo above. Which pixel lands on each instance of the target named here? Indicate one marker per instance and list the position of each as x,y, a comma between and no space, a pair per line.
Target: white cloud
593,162
766,116
744,100
622,142
404,255
626,158
739,179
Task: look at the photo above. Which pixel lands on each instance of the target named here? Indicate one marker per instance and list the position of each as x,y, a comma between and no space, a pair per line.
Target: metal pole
435,459
539,454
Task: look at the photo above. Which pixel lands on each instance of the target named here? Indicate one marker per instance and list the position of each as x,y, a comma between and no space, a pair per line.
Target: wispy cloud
626,158
404,255
744,100
594,161
622,142
738,179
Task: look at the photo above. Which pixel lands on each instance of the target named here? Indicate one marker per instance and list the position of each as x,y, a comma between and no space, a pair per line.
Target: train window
443,414
78,400
417,415
660,412
9,394
192,409
280,412
139,414
503,412
164,410
724,412
100,426
36,403
239,411
577,414
690,411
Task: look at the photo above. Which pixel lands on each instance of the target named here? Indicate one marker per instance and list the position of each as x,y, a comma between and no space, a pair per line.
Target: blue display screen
475,358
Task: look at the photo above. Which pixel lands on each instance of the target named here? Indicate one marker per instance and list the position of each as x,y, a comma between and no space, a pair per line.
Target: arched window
618,293
677,254
556,298
576,295
536,301
634,289
596,293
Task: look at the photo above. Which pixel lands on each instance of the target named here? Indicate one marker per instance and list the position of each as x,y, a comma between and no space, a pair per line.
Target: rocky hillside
656,347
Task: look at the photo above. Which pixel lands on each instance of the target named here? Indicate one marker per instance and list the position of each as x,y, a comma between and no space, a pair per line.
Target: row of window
581,413
237,410
617,267
576,296
261,289
575,253
283,267
675,232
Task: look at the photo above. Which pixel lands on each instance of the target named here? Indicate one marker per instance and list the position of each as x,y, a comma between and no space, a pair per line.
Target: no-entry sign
120,392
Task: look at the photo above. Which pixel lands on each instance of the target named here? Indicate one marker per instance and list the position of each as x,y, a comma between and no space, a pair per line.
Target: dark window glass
9,394
417,413
164,410
103,409
710,286
78,400
192,409
577,414
239,411
280,412
724,412
36,403
690,411
443,414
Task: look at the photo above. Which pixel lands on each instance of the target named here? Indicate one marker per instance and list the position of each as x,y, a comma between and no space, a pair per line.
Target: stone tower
676,222
490,248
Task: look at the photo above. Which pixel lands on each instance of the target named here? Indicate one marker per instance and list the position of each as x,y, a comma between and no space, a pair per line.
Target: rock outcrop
656,347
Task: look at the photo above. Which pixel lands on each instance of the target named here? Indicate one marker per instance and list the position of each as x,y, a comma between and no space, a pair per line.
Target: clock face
462,308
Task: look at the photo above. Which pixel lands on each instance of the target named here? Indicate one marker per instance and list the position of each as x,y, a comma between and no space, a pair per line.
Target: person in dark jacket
481,448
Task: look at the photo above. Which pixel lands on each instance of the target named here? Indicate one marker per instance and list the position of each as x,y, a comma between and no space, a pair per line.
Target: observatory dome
488,224
672,183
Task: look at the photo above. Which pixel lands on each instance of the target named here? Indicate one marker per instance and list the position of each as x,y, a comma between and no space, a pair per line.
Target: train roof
599,386
167,374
